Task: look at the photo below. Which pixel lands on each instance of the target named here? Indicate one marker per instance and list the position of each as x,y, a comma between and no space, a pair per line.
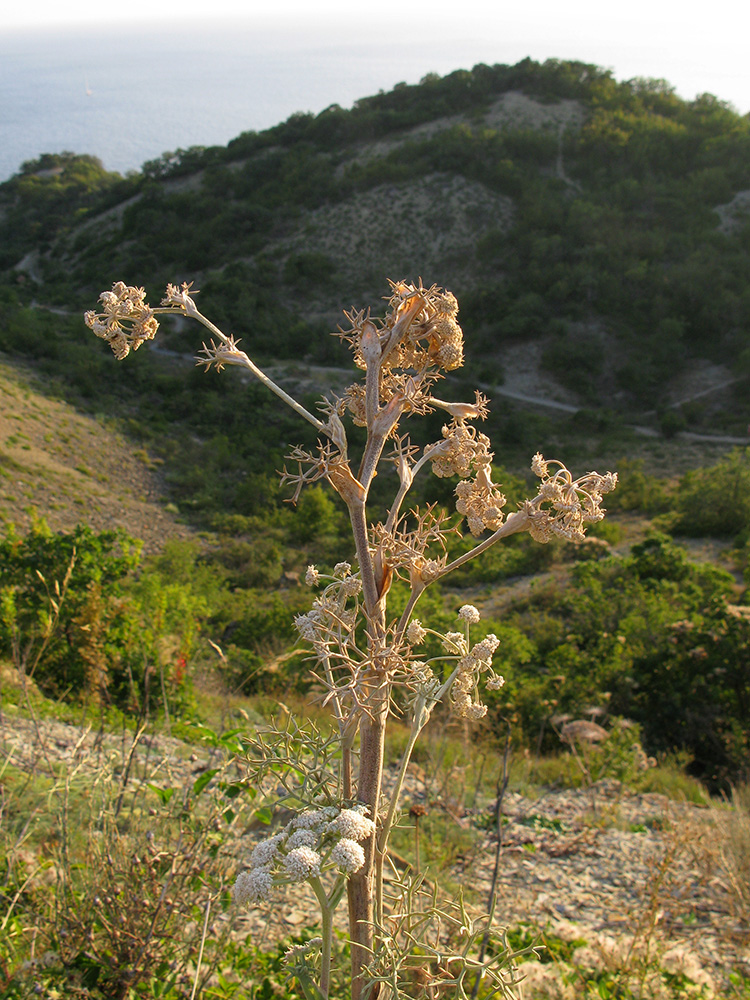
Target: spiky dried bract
563,505
419,331
406,548
126,319
219,355
328,464
181,297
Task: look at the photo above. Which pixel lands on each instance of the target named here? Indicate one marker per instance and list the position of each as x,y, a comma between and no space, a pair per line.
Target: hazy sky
698,48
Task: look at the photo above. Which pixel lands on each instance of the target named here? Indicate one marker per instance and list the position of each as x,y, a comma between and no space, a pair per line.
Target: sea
128,92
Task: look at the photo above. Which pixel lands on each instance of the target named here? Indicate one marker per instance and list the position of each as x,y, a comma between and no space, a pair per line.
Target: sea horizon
127,94
126,101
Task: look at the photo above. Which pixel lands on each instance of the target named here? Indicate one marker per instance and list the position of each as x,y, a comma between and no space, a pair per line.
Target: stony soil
625,873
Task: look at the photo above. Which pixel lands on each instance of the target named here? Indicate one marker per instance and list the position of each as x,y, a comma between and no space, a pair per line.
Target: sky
697,48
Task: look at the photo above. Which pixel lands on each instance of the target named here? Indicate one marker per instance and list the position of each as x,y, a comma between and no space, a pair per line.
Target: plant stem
517,521
326,916
246,362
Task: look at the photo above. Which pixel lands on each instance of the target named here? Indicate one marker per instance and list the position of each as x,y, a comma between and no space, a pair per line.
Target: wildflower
348,855
312,576
126,319
461,450
305,626
469,613
539,466
415,633
311,818
495,682
480,502
564,506
265,852
301,838
485,649
350,586
253,886
422,679
352,824
301,863
453,642
342,569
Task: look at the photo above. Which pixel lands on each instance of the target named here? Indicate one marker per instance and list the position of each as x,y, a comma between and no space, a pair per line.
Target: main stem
361,885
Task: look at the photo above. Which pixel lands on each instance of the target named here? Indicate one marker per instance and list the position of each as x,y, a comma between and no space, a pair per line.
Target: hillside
595,232
604,299
70,468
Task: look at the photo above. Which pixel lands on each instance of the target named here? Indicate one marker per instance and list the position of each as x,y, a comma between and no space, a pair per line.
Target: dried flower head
469,613
481,502
415,633
126,319
564,506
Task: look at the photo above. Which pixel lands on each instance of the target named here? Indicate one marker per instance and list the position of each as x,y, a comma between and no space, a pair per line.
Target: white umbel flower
252,886
415,633
301,838
352,824
348,855
301,863
265,852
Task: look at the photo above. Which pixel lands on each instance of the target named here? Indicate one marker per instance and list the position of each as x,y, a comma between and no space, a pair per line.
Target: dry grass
72,468
733,844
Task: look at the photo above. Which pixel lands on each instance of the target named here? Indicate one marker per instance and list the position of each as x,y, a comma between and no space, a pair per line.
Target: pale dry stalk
402,357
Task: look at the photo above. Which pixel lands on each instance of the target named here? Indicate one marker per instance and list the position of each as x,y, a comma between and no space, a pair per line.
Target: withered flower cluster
126,319
564,506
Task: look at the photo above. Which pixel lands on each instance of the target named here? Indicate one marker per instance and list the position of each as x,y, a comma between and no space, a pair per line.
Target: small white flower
252,886
311,818
312,576
348,855
342,569
301,863
305,626
350,586
485,649
265,852
469,614
495,682
353,824
301,838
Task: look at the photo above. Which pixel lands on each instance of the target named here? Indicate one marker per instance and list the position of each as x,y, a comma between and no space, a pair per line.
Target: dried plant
366,660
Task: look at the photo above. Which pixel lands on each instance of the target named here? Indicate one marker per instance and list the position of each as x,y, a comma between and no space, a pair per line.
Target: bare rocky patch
423,227
734,213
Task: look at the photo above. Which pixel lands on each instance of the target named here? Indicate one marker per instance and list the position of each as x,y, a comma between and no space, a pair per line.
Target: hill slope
70,468
603,222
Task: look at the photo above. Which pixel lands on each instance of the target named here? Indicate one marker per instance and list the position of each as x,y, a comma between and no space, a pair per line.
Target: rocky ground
618,877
